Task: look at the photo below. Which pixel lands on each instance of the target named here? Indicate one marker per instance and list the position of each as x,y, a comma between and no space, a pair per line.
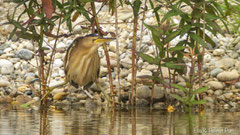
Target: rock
23,99
82,96
237,85
22,88
90,104
218,52
218,92
24,54
228,75
4,83
6,100
143,92
5,45
124,16
159,105
158,92
28,45
225,63
144,72
61,45
216,71
142,103
207,58
146,39
29,79
6,66
112,62
113,46
209,99
58,63
126,62
228,95
59,96
215,85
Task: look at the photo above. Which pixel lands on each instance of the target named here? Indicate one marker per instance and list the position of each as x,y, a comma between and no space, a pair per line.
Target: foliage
194,20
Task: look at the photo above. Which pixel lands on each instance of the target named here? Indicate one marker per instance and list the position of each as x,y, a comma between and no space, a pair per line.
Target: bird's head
94,41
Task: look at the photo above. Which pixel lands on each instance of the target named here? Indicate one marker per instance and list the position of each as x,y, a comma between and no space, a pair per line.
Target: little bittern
82,63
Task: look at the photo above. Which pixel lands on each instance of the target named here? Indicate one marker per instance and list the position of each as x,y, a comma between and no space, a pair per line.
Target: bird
82,62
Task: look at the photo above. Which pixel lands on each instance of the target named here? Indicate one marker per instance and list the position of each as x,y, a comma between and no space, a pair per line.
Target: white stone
58,63
124,34
218,52
146,39
61,45
228,75
207,58
4,83
13,46
17,65
215,85
6,66
7,50
61,73
113,46
28,45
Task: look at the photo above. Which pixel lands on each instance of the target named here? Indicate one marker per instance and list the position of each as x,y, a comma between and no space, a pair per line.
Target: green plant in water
202,15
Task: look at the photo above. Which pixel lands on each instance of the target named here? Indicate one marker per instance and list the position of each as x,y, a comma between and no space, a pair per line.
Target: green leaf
178,97
171,36
199,102
211,17
136,7
147,58
12,33
197,38
84,12
180,87
155,35
214,25
208,39
185,29
218,7
200,90
169,14
177,48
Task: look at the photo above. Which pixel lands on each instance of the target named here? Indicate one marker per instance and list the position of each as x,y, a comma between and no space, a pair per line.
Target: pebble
59,96
237,85
218,52
4,83
228,75
24,54
218,92
143,92
216,71
142,103
58,63
6,66
228,95
158,92
225,63
215,85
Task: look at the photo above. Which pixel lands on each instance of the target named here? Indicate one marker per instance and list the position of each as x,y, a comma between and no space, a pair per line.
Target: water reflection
100,121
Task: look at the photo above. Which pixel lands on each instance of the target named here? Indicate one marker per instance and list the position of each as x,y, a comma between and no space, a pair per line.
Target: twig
118,53
106,52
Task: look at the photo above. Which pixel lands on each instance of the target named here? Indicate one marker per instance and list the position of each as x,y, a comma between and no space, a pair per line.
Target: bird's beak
103,40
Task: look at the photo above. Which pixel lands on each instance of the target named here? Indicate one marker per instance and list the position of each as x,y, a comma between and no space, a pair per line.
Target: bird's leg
88,93
50,89
105,95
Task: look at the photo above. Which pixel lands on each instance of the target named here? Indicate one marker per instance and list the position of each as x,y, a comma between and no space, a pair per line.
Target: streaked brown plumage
82,63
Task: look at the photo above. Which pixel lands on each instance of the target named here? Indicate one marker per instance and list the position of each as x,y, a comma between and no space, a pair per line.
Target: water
81,121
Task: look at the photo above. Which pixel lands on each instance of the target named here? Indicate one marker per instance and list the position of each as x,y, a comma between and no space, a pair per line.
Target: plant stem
106,52
118,53
133,87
